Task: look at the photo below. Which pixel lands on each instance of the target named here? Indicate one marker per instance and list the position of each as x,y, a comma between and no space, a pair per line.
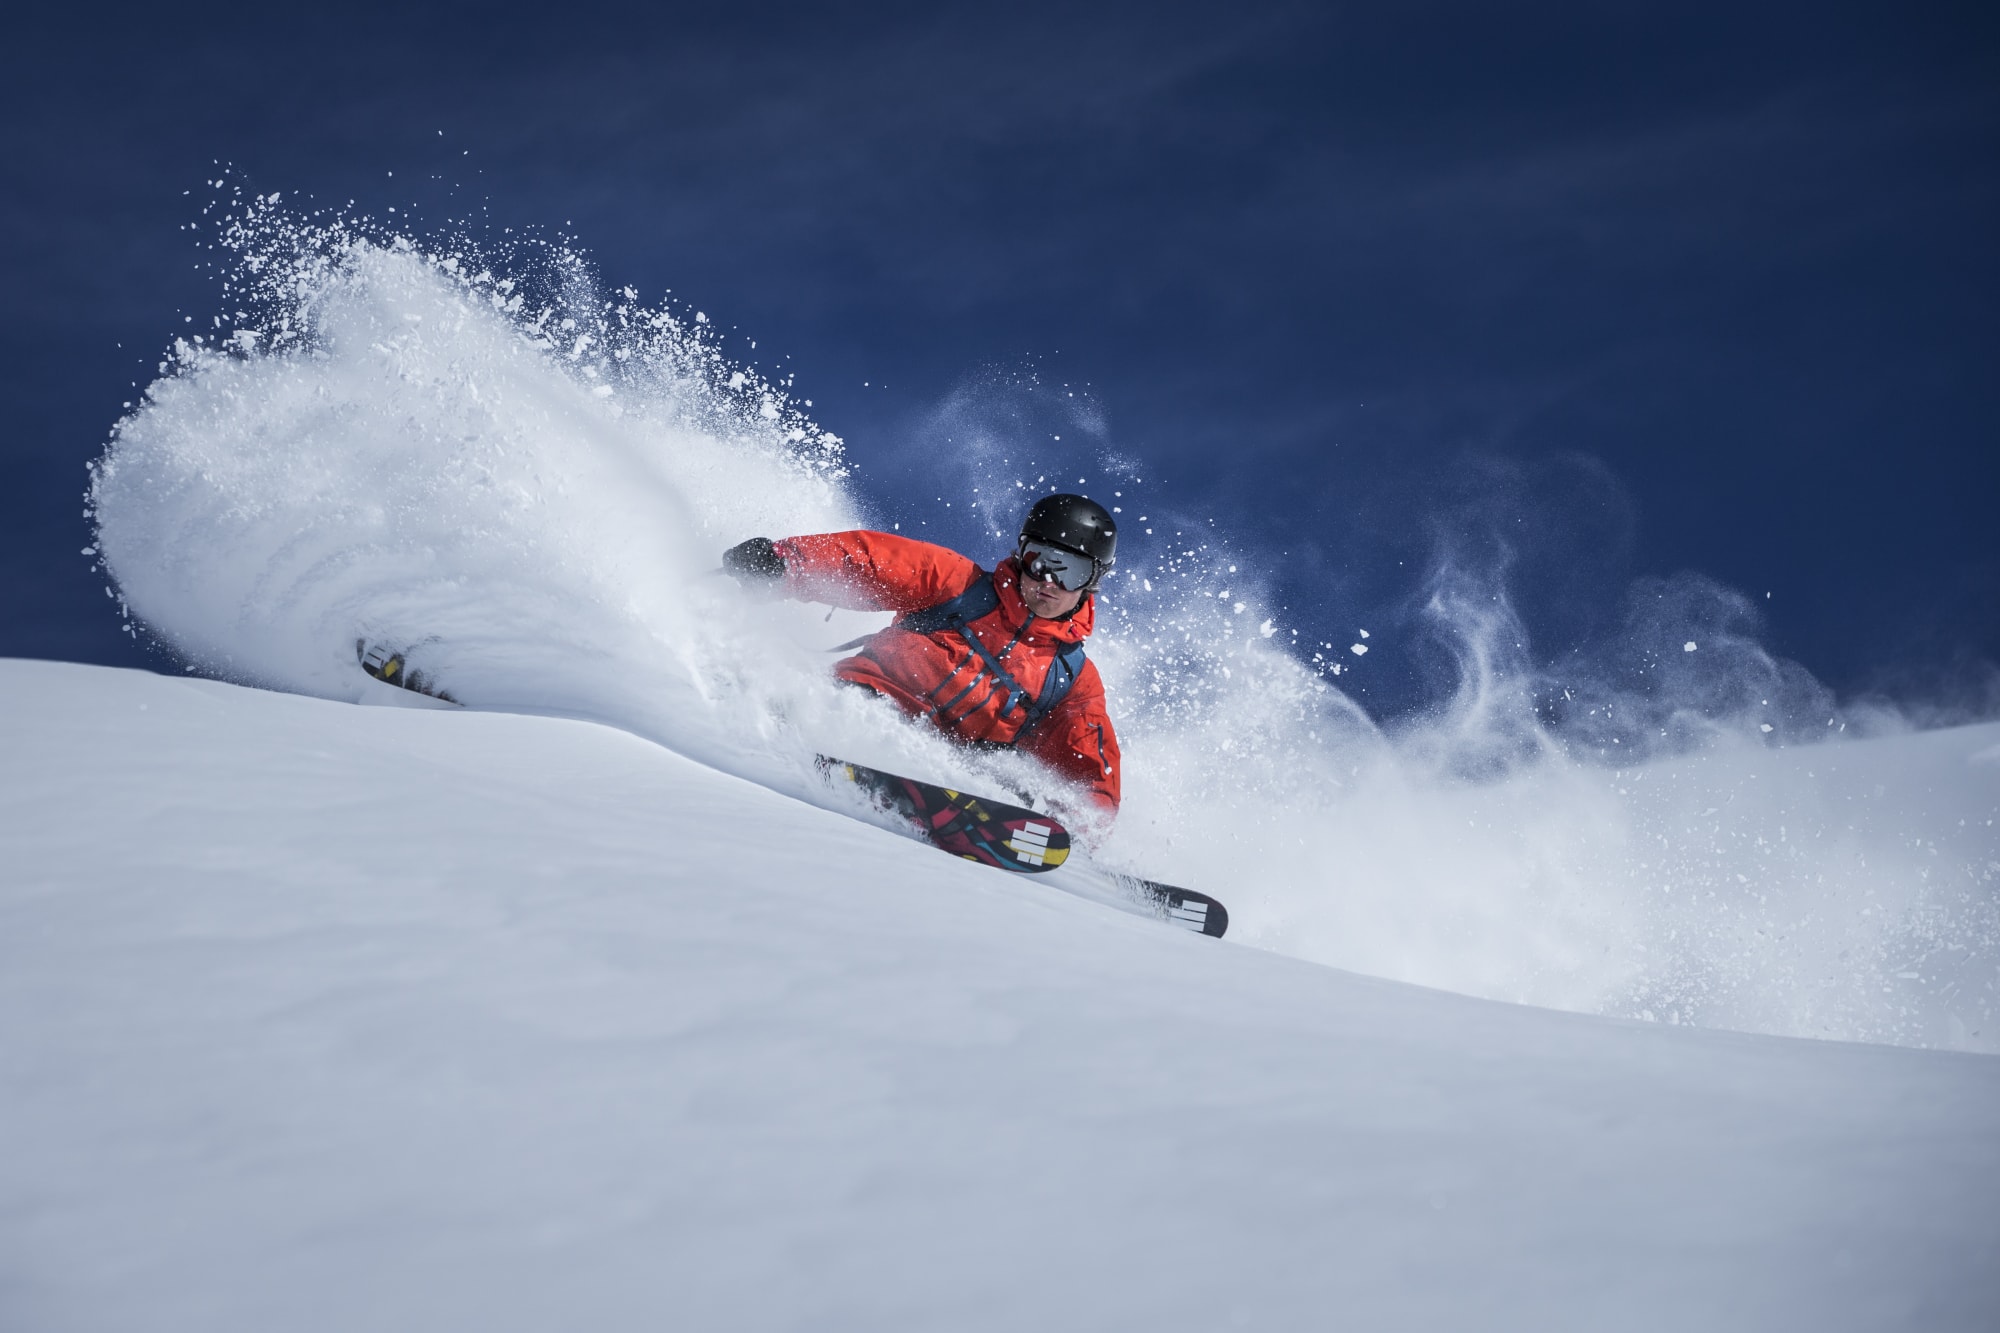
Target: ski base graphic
1006,837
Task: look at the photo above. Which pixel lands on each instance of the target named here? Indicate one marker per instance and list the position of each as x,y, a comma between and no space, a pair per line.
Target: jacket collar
1074,628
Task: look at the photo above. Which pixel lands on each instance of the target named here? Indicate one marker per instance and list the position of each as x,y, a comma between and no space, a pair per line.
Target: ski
1183,907
392,667
1012,837
1006,837
993,833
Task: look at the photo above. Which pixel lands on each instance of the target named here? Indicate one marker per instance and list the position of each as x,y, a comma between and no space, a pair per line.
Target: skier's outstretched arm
860,570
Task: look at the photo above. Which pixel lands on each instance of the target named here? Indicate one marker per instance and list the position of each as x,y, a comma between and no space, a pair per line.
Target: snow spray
483,455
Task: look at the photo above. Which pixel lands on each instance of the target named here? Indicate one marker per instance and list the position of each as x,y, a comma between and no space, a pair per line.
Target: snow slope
323,1017
526,477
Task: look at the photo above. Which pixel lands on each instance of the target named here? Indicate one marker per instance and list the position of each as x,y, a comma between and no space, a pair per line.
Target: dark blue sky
1707,287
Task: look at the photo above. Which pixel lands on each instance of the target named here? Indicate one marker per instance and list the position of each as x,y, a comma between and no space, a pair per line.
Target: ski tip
1185,908
1198,911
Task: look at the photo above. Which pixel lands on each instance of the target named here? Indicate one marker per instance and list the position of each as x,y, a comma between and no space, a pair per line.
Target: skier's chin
1047,602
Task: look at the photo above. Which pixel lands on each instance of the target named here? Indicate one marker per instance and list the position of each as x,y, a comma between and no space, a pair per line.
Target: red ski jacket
936,675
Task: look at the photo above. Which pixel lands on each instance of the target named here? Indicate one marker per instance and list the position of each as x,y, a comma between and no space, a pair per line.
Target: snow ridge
316,1017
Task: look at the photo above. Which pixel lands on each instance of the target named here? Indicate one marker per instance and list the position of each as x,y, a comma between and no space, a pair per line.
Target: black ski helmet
1076,523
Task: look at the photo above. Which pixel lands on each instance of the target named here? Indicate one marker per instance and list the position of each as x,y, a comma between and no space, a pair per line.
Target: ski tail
391,666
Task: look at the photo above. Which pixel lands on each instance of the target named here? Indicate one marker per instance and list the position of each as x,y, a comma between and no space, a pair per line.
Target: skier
993,660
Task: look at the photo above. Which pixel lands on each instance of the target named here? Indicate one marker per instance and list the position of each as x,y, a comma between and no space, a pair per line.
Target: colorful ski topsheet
1004,836
1013,838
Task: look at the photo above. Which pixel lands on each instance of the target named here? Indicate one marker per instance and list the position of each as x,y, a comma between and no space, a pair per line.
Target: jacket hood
1073,628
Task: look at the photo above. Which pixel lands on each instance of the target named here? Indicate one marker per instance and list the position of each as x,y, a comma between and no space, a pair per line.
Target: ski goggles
1069,570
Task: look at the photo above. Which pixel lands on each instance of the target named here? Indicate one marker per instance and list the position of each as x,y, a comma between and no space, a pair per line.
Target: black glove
753,562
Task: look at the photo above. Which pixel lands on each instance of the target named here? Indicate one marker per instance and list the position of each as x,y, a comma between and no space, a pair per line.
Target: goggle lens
1070,571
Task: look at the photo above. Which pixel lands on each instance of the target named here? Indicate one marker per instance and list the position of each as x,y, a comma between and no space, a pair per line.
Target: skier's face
1047,598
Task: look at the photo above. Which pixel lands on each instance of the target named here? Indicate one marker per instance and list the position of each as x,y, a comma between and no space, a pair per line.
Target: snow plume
484,456
1000,440
1653,852
1640,826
